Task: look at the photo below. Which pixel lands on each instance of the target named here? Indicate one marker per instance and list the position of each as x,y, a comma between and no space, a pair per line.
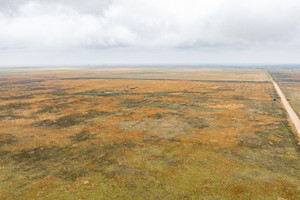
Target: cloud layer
206,27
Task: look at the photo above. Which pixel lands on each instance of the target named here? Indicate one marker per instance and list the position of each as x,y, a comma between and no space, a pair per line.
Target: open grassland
156,73
189,74
289,82
64,137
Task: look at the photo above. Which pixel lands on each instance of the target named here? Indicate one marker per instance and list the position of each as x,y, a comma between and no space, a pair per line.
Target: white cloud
195,25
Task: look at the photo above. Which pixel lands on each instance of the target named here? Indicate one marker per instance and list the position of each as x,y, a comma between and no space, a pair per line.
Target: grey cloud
150,23
168,25
82,6
276,21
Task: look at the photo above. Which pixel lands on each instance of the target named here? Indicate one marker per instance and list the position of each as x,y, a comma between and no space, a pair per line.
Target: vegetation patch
66,121
7,139
82,136
196,122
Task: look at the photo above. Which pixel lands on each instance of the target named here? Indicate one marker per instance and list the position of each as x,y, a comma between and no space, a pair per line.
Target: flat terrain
181,74
83,135
289,82
153,73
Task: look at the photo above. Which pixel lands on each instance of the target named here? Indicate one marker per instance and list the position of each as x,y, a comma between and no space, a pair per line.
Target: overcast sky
91,32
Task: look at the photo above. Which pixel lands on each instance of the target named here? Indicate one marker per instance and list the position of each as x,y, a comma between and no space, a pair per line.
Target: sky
122,32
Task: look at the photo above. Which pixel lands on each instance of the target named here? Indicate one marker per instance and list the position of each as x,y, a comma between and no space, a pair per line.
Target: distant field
192,74
289,81
65,137
153,73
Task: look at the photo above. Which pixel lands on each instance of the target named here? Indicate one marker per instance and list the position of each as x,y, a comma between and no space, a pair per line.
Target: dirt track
293,116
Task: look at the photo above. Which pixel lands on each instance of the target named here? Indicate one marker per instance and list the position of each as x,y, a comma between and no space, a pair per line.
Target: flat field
165,73
289,82
151,73
76,135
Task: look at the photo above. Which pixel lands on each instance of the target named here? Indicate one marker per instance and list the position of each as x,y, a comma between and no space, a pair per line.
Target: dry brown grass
147,139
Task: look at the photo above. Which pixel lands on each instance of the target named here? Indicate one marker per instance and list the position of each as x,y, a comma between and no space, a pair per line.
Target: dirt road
293,116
